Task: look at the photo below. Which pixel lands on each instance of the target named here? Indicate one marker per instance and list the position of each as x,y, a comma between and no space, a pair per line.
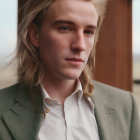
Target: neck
59,89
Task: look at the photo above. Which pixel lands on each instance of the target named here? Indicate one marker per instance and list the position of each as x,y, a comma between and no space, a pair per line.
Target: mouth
75,61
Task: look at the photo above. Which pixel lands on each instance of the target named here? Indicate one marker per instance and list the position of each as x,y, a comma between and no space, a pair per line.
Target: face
66,38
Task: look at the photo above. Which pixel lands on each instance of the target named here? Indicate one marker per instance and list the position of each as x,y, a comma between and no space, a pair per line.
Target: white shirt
74,120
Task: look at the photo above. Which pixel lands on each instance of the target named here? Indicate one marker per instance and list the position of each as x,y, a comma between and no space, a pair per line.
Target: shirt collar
80,95
44,92
46,97
78,90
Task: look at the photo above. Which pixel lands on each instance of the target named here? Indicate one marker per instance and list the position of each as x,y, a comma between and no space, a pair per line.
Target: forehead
79,11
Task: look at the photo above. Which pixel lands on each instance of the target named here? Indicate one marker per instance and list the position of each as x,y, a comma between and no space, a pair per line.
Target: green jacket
115,111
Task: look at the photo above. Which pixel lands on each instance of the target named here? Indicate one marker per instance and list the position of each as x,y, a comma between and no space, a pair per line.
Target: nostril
79,45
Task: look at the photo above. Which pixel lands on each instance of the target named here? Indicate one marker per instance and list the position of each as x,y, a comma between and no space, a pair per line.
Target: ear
34,34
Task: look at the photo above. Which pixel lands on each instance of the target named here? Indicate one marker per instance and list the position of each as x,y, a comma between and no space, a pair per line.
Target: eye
89,32
65,28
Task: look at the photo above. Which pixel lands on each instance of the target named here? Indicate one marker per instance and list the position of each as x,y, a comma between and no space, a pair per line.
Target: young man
55,97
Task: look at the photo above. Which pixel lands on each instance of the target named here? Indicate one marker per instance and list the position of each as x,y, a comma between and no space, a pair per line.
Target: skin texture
65,41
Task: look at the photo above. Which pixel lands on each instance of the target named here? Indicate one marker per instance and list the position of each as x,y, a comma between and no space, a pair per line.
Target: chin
72,75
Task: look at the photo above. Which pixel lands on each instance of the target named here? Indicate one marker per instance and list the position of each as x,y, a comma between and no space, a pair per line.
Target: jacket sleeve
135,122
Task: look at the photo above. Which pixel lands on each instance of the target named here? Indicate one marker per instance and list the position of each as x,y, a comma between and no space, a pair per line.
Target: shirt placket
68,111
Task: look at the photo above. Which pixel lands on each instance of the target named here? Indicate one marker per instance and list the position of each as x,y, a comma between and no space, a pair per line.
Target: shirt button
47,100
47,110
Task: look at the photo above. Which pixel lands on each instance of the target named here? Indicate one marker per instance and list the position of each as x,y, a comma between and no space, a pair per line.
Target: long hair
30,67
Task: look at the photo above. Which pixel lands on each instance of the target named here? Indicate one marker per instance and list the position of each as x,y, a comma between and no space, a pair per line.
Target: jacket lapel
23,124
105,116
22,120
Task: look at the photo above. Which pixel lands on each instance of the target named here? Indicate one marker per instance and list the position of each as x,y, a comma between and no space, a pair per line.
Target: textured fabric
115,111
74,120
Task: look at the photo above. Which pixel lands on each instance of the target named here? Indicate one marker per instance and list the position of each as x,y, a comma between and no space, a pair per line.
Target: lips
75,59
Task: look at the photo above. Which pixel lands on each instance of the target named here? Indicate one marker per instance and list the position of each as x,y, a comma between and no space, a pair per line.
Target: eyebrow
57,22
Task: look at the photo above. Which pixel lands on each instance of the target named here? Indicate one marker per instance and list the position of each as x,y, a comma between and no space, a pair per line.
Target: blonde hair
30,68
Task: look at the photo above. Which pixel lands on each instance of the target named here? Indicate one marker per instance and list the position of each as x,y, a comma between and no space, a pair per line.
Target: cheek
90,44
50,45
53,42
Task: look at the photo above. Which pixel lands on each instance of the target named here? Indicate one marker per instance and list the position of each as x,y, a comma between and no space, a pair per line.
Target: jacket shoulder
122,104
109,89
7,97
114,96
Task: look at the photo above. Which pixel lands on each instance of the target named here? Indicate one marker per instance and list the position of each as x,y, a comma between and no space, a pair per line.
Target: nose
78,42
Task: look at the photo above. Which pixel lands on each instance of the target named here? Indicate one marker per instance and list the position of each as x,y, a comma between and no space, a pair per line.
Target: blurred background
118,49
136,50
